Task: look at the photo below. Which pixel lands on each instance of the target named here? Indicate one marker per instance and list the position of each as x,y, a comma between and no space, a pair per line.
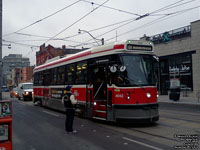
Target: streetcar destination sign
139,47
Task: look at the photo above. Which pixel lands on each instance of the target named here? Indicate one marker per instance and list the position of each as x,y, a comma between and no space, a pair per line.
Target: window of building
180,67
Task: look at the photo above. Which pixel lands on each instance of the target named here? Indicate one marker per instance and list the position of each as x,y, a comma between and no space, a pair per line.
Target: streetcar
114,82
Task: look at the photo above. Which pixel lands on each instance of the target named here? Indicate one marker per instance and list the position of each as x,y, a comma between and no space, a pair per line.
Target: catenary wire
41,19
148,24
155,21
171,6
152,14
119,10
75,22
159,10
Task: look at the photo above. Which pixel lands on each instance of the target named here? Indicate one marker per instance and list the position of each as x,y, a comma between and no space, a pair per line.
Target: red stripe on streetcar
64,60
121,46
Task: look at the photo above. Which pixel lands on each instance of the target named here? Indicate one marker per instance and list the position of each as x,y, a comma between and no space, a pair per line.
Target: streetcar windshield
136,70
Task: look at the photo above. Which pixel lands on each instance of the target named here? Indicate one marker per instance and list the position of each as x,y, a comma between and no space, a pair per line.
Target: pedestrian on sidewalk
69,102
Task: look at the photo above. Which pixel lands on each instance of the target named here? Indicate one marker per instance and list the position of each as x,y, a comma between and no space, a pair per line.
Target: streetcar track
155,135
170,117
182,113
142,143
172,126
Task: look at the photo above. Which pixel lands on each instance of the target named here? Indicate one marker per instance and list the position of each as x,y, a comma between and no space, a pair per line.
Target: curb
179,103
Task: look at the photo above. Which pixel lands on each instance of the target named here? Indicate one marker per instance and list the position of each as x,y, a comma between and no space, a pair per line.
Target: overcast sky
27,24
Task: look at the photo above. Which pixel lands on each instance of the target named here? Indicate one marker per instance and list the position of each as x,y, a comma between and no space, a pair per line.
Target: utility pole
1,63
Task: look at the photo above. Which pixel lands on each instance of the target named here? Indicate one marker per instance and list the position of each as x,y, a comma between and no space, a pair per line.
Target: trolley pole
1,63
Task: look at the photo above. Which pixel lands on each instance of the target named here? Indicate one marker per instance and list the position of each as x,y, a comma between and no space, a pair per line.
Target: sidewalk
182,100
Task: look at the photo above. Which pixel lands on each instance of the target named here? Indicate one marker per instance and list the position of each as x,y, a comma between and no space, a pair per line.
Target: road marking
144,144
50,113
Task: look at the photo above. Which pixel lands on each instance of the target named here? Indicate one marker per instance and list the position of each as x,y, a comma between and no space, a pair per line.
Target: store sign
171,35
179,69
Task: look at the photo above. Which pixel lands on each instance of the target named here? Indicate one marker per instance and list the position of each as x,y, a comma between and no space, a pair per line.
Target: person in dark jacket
69,102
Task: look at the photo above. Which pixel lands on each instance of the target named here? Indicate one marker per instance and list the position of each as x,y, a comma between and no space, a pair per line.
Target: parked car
14,92
25,91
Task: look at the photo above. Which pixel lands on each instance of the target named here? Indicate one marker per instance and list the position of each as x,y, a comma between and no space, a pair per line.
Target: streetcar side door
97,92
46,80
89,93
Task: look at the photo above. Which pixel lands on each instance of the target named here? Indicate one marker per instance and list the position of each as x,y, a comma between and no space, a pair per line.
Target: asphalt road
38,128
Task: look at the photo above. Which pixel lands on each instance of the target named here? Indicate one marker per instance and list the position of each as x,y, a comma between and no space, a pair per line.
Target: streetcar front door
97,91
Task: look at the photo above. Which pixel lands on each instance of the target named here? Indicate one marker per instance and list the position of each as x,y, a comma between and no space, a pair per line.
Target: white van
25,91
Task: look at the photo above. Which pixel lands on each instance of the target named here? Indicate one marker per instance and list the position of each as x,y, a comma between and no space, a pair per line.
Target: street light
102,40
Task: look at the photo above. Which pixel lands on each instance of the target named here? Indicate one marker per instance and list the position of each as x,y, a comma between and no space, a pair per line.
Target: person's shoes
74,131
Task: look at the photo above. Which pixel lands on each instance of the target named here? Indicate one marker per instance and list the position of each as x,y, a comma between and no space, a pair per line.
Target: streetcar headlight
95,103
148,95
26,93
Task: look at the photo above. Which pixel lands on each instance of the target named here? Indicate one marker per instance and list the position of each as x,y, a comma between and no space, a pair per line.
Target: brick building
48,52
21,75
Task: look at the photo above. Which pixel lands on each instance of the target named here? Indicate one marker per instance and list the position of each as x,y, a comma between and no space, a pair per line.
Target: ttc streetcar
113,82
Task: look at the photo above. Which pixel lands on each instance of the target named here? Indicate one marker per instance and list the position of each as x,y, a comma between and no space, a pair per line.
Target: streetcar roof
107,49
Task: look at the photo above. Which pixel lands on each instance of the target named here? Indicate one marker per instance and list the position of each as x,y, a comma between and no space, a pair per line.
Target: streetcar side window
61,75
70,74
47,77
35,79
81,73
54,76
40,78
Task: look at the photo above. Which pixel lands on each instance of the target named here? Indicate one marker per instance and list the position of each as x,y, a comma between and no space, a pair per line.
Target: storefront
179,67
179,55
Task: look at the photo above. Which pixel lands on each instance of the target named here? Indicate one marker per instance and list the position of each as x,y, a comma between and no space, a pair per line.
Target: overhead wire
135,29
22,44
158,10
155,21
42,19
171,6
76,22
45,38
102,5
120,10
65,38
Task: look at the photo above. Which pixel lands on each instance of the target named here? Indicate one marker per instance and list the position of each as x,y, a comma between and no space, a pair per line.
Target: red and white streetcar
114,82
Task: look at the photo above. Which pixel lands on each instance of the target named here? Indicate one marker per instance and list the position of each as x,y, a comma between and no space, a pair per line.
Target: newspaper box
5,125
